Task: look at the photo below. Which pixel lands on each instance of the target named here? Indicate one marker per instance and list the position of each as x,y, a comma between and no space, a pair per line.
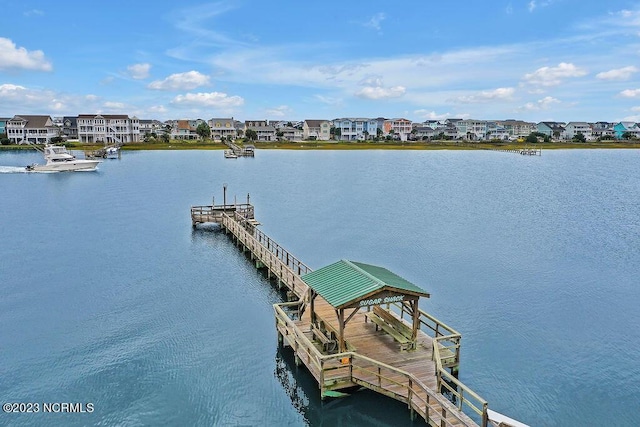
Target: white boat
229,154
59,159
112,152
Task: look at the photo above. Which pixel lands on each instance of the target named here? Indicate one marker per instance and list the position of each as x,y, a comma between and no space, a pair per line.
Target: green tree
165,138
627,135
203,130
579,137
56,140
532,138
4,140
251,134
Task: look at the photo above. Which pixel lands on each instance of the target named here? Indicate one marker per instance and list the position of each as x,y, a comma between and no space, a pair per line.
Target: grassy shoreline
314,145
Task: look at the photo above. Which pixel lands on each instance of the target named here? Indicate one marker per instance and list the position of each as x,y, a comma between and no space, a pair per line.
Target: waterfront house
262,128
3,124
185,129
399,126
356,129
518,128
496,131
150,126
290,133
423,133
554,130
319,130
572,129
471,129
222,129
108,128
25,129
603,130
70,127
629,128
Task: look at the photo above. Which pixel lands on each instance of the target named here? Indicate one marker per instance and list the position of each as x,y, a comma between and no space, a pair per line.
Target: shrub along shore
343,145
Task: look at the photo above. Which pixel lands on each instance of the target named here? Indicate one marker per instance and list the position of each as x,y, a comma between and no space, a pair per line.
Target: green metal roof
345,281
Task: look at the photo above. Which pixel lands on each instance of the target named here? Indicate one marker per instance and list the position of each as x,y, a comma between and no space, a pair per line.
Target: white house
25,129
319,130
108,128
574,128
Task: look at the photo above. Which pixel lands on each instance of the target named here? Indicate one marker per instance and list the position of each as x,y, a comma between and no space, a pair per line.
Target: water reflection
362,407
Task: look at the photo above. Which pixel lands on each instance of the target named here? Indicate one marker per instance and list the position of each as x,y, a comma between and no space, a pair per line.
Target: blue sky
564,60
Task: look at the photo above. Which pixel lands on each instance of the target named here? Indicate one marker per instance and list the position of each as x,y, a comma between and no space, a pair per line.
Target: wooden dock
385,344
236,151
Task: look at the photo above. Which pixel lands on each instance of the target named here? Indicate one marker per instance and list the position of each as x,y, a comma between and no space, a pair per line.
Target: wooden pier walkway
390,346
235,151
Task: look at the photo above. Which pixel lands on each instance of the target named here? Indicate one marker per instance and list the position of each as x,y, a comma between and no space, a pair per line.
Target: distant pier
234,151
358,325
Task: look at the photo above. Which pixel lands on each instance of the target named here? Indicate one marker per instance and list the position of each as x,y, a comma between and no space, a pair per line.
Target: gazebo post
340,314
415,315
312,297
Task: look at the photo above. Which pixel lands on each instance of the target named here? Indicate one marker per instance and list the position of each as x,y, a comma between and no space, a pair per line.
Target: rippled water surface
110,297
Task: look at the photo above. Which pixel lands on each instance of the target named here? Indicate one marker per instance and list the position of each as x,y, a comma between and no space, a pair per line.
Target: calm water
109,296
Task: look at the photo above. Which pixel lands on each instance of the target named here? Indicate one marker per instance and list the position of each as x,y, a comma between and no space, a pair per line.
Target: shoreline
313,145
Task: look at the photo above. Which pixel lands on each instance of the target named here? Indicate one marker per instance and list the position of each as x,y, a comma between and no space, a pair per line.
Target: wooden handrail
461,390
356,363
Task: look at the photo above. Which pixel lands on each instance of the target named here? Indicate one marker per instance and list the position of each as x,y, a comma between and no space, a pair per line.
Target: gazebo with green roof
350,285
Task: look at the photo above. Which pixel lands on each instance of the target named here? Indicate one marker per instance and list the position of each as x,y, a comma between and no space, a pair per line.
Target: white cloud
624,73
630,93
20,99
19,57
139,71
211,99
635,109
501,93
553,76
378,92
181,81
329,100
281,111
542,104
430,115
375,21
33,12
114,105
158,109
533,4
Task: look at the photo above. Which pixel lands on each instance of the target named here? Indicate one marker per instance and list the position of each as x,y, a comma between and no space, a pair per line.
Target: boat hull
75,165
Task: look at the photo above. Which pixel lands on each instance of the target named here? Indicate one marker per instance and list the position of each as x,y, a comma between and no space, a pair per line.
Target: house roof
314,123
104,116
35,121
345,282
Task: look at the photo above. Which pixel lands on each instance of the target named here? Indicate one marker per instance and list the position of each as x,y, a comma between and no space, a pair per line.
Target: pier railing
337,370
271,245
213,213
446,353
278,261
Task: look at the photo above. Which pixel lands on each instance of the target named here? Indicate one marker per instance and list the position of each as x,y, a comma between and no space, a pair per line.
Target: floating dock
234,151
353,324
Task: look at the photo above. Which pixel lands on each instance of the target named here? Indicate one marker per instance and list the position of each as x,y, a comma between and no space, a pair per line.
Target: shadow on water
362,408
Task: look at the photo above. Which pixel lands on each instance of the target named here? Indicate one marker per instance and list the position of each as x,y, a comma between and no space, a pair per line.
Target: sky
533,60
